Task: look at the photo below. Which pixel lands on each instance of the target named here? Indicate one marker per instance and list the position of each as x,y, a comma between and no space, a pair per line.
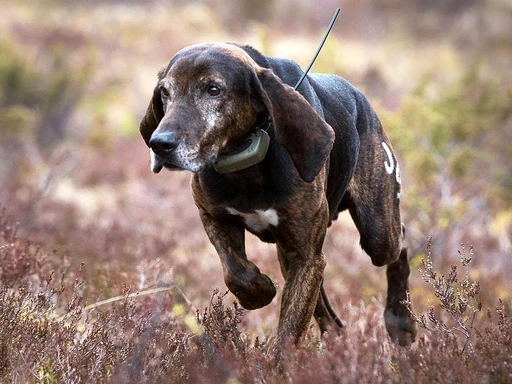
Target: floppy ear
154,114
305,135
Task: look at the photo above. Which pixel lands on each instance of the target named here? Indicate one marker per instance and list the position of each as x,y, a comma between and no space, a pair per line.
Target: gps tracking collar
253,150
250,152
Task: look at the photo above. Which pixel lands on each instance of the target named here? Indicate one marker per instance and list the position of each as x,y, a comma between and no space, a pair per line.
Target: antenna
319,49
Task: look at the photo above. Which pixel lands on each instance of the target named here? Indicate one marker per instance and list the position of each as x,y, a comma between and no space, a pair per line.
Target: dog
326,153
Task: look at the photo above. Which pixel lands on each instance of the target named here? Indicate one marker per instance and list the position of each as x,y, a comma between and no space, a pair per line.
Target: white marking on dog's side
398,176
259,220
391,165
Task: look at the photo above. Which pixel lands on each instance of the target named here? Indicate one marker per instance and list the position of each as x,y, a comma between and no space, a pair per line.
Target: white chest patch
259,220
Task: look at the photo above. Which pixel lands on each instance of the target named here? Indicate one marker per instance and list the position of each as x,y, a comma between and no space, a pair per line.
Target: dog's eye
164,93
214,91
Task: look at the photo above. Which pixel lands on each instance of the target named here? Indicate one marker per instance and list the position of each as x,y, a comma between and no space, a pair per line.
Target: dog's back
354,121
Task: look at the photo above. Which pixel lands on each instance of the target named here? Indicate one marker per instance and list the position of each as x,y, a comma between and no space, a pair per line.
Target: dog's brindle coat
328,153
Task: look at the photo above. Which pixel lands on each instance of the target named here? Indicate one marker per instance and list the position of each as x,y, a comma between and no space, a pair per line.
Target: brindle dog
327,153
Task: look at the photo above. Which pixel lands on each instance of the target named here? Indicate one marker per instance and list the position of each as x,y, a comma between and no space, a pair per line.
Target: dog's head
211,95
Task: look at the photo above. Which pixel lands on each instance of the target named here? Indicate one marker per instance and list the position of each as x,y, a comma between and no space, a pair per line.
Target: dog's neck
261,185
251,151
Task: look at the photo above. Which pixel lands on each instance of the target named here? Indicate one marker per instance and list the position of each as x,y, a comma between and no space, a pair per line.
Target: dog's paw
253,290
401,327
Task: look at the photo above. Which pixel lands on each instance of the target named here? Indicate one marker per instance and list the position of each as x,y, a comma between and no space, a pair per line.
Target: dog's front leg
242,277
300,252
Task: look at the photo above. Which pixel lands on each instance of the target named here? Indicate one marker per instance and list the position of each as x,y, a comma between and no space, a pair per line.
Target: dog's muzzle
162,145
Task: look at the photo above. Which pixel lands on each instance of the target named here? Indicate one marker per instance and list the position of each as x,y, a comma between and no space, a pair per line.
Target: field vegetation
106,274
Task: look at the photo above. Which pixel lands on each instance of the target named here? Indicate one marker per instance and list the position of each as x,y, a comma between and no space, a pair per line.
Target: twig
122,297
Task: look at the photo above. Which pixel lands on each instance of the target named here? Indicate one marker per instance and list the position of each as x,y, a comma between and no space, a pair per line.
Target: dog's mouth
157,163
190,163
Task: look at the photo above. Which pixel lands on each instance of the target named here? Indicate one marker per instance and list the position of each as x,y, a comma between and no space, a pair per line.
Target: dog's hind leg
385,248
399,324
373,200
383,238
324,314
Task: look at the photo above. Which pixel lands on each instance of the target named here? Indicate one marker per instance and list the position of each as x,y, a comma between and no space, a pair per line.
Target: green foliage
39,92
451,127
19,94
18,84
453,143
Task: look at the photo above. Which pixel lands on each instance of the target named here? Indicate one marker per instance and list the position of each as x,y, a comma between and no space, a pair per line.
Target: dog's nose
163,143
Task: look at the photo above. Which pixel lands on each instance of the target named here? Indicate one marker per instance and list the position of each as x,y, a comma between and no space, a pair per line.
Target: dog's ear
305,135
154,114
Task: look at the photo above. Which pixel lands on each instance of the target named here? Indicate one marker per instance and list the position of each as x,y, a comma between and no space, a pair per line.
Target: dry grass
48,334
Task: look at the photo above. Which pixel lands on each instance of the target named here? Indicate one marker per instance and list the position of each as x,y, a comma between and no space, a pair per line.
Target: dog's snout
163,143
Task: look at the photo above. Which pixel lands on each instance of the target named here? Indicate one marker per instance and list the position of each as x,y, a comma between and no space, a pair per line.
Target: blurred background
76,78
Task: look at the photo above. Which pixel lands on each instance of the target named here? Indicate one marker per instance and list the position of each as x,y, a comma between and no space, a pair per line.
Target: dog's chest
259,220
